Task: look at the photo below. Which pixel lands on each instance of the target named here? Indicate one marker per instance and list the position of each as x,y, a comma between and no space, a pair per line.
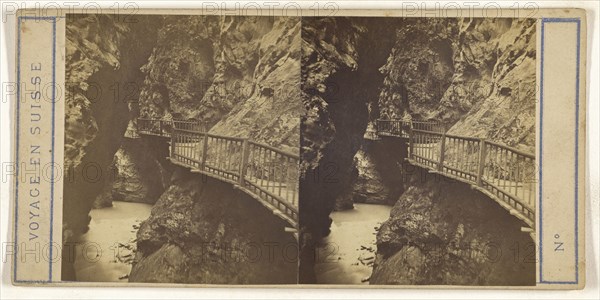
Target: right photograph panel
418,151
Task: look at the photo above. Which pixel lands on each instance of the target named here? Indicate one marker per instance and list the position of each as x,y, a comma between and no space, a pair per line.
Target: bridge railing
393,127
504,173
274,174
401,128
267,172
154,126
165,127
190,125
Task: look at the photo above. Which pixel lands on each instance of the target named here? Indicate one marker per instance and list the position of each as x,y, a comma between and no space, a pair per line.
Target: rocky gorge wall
239,75
340,61
476,76
440,234
103,56
140,172
203,231
255,77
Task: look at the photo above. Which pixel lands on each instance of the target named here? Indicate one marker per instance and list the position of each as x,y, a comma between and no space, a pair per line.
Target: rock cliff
477,76
139,173
203,231
103,56
241,76
340,84
486,71
441,232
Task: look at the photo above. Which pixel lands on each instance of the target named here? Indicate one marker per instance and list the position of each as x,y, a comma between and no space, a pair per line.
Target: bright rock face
239,75
477,76
242,77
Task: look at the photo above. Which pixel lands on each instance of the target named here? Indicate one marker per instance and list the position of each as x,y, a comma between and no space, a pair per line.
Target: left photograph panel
181,149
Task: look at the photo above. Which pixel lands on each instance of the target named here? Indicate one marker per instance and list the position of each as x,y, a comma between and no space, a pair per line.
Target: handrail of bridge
503,173
162,127
400,127
266,173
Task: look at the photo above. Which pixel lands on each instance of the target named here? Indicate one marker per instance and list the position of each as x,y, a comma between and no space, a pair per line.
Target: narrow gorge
476,77
312,90
231,73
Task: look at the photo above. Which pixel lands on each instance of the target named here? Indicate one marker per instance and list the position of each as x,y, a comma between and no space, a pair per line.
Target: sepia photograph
418,151
301,148
182,141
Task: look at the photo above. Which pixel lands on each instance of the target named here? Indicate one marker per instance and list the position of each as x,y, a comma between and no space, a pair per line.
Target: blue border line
578,22
541,143
50,257
54,19
577,155
16,248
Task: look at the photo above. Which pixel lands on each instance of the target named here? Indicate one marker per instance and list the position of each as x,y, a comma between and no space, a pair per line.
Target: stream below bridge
347,254
106,251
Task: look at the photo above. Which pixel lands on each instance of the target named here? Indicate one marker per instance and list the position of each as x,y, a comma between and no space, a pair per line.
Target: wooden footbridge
504,174
271,175
267,174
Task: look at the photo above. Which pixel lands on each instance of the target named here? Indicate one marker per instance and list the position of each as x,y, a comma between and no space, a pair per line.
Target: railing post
442,153
410,140
481,162
173,139
244,161
204,152
160,127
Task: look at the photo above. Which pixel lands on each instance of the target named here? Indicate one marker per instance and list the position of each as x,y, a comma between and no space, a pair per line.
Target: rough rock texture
271,112
463,72
340,77
139,173
180,68
419,68
102,53
194,236
441,232
380,168
486,71
475,75
234,73
504,80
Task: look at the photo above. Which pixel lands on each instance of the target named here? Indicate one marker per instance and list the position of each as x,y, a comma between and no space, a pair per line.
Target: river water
105,252
346,256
